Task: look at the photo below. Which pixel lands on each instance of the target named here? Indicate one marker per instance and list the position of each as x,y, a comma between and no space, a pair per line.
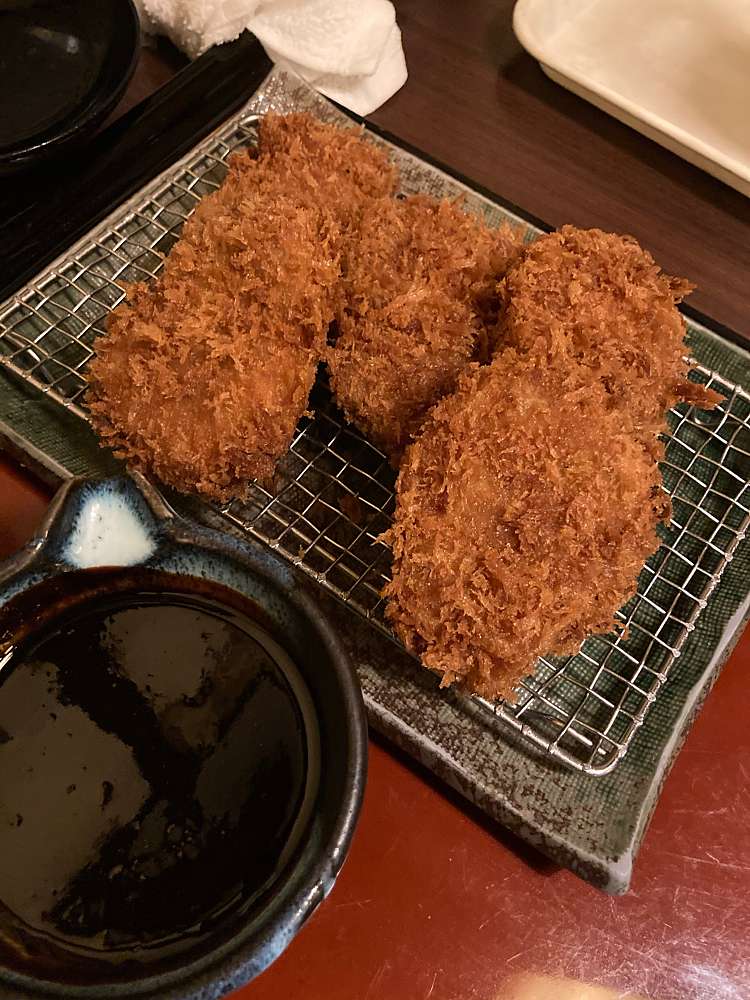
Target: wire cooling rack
333,494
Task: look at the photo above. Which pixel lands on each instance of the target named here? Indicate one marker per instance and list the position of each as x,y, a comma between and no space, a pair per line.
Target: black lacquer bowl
148,847
64,64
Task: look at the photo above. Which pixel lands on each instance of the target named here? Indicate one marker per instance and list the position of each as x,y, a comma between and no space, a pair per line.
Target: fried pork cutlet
417,300
598,300
528,503
203,374
331,167
524,514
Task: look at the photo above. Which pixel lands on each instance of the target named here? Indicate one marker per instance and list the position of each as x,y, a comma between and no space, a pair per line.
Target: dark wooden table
434,903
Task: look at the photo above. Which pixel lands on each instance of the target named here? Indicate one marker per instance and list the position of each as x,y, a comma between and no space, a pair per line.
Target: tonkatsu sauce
158,761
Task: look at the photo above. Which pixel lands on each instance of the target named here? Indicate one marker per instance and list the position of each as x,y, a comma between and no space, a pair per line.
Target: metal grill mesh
333,494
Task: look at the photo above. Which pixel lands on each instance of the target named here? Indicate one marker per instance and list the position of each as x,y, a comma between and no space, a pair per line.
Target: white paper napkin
349,50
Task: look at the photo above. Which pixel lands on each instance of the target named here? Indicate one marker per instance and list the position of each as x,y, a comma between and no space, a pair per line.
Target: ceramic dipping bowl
182,753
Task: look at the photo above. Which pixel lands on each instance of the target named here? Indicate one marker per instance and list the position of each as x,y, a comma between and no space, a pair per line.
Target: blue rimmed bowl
105,540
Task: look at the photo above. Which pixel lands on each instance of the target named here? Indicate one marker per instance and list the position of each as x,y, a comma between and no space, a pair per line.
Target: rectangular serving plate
675,71
466,743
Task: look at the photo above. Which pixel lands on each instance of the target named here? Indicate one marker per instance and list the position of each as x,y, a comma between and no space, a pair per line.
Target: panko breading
529,502
418,297
524,514
331,169
598,300
203,374
336,166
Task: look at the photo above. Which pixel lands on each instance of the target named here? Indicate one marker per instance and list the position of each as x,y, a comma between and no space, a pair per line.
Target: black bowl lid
63,66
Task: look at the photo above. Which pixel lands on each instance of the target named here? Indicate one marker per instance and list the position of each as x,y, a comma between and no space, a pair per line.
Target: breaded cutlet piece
203,374
323,166
416,303
524,515
598,300
339,164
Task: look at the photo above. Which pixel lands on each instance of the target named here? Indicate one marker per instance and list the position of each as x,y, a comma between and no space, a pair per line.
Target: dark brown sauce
158,758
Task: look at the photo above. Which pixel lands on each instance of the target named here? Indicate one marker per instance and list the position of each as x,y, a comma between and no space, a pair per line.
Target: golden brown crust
203,374
418,294
524,516
528,503
599,300
337,167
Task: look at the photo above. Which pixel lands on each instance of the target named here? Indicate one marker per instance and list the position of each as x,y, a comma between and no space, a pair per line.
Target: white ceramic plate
676,70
